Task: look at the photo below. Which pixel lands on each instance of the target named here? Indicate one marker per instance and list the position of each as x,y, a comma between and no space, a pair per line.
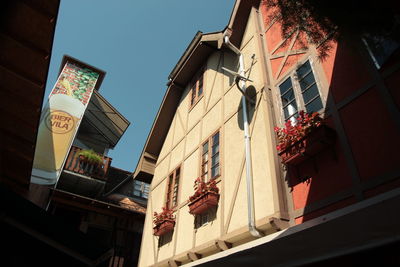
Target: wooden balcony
97,171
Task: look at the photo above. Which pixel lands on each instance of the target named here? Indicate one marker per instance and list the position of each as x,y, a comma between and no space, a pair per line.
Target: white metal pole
249,175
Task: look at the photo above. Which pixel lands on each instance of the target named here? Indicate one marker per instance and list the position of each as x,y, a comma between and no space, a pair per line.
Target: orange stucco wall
366,100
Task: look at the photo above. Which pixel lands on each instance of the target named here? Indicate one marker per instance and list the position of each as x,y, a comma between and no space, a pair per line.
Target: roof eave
196,52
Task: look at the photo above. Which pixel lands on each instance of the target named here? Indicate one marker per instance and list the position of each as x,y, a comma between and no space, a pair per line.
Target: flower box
206,196
163,227
164,221
314,142
303,138
204,202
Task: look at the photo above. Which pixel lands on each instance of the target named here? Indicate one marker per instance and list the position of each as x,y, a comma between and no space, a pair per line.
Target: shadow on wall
165,239
251,94
367,138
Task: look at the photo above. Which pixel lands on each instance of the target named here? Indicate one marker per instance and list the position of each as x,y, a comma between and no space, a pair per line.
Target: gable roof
199,49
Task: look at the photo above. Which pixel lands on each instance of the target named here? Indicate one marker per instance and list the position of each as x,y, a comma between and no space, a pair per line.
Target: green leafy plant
91,156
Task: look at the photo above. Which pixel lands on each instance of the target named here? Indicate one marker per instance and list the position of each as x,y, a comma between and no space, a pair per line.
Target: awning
369,228
102,122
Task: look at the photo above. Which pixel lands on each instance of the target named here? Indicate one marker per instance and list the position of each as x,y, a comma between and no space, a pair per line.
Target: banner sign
60,120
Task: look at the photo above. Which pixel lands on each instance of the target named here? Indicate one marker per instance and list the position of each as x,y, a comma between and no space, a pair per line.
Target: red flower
166,214
203,187
305,123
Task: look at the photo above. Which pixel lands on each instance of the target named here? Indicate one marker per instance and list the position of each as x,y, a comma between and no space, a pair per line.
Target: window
289,104
165,239
380,49
304,85
196,86
173,189
140,189
205,218
210,165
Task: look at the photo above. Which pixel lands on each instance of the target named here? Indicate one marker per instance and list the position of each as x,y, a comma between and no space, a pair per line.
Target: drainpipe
249,177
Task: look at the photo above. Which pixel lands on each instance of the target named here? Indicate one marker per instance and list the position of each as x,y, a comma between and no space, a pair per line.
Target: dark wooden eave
197,52
26,38
73,200
238,20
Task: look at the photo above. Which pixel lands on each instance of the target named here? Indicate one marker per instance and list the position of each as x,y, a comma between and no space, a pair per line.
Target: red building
355,89
341,200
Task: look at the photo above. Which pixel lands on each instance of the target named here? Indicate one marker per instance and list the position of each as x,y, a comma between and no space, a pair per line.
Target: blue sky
137,43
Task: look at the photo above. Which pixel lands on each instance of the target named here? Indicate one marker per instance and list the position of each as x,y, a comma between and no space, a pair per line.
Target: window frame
379,60
165,239
210,145
297,90
172,190
194,87
206,218
143,191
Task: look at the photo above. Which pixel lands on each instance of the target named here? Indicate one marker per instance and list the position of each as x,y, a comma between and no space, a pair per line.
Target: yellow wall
219,108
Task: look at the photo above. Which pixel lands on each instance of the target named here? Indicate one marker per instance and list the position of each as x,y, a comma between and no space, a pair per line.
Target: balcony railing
74,164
